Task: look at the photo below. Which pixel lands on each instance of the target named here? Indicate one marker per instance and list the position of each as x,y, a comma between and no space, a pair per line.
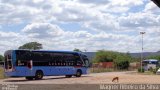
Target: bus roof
47,51
154,60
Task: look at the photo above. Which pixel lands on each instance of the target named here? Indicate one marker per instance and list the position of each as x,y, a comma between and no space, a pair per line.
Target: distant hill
91,55
145,54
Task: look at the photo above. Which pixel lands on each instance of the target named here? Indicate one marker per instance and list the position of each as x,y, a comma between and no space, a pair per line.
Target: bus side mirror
87,63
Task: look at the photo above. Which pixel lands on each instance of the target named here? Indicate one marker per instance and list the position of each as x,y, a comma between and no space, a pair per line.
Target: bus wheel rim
39,75
78,74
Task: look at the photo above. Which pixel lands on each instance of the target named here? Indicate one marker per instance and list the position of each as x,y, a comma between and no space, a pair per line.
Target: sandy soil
96,78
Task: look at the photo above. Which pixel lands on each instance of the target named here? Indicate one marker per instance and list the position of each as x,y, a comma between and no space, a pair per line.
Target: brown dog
115,79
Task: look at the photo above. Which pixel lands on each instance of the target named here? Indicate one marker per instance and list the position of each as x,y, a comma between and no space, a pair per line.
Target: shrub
151,69
141,71
1,73
155,70
122,65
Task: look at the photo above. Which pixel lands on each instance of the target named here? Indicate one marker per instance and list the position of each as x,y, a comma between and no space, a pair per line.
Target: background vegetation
77,50
32,46
157,57
1,58
121,60
1,73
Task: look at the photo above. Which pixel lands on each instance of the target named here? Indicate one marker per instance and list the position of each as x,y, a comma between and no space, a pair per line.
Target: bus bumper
10,74
18,74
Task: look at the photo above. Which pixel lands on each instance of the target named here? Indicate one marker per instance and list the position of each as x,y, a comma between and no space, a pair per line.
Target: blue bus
34,64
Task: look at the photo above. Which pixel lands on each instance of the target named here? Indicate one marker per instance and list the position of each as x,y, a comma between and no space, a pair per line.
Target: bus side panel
20,72
83,69
47,71
58,70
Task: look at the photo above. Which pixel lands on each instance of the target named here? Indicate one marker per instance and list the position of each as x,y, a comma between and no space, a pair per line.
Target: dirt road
94,78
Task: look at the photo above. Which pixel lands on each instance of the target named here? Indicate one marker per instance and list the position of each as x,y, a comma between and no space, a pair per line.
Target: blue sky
85,24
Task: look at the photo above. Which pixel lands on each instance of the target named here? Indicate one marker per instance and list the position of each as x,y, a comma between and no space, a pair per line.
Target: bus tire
39,75
29,78
78,73
68,76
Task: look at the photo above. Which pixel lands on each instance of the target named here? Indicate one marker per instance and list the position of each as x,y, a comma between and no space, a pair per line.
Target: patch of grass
149,73
1,73
146,73
99,70
141,70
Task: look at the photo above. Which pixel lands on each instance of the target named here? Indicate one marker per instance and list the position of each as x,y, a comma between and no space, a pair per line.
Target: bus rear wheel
39,75
68,76
78,73
29,78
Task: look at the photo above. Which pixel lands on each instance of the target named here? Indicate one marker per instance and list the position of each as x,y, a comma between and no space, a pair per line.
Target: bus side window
21,63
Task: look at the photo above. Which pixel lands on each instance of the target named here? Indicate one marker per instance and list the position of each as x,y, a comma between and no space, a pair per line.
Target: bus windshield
85,60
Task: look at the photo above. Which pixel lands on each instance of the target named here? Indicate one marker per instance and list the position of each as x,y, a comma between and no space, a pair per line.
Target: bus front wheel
78,73
39,75
29,78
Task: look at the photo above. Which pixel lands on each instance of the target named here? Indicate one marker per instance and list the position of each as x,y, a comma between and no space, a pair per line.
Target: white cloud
82,34
118,9
42,30
128,3
104,24
8,35
151,8
9,40
94,1
20,11
139,20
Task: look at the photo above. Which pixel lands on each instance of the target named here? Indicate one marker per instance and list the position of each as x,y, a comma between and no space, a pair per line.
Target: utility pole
142,33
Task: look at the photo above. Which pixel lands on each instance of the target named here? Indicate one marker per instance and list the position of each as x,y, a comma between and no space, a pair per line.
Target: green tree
77,50
103,56
154,57
31,45
1,58
121,60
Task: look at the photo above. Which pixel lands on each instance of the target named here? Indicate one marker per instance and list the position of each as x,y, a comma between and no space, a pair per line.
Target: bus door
8,62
